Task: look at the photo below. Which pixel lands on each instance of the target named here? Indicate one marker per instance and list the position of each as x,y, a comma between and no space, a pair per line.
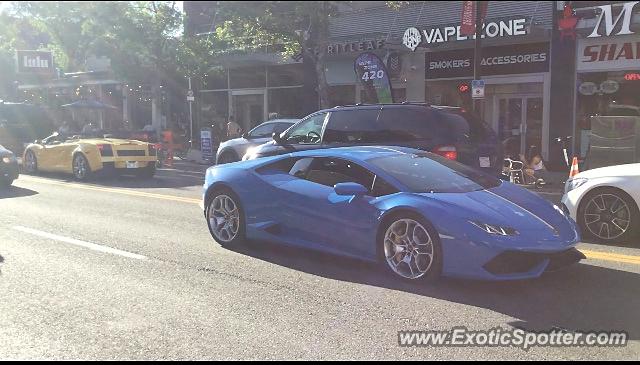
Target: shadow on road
580,298
15,192
162,180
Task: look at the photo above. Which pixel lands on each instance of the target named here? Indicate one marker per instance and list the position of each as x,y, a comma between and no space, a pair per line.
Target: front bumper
8,172
501,259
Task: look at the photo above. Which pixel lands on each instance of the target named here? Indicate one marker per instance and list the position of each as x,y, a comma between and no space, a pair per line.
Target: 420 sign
372,74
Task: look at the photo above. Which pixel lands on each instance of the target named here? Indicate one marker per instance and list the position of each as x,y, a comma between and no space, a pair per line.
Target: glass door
248,109
520,125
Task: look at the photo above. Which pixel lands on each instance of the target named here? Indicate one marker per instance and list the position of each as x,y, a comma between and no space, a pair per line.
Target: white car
604,202
233,150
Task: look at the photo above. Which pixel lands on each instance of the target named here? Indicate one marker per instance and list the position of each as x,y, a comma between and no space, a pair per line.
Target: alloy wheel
80,167
408,248
224,218
607,216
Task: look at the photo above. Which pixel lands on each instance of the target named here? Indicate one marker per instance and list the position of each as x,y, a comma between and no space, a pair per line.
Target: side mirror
276,137
245,135
350,188
37,141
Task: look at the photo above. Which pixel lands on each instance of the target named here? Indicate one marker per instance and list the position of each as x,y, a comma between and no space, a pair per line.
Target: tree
298,26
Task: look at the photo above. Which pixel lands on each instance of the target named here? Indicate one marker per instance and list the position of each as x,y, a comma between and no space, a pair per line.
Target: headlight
8,159
493,229
572,184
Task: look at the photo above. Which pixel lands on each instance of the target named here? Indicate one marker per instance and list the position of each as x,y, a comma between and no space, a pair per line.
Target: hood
511,206
632,169
244,142
5,152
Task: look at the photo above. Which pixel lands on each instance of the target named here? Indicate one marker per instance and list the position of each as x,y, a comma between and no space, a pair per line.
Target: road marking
73,241
606,256
113,190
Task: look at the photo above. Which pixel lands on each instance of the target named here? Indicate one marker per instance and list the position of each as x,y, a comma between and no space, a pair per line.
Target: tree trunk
315,49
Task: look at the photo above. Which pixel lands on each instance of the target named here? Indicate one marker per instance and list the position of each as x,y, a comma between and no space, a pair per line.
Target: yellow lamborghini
84,157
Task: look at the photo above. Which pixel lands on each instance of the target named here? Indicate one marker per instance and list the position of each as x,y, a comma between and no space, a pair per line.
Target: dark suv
448,131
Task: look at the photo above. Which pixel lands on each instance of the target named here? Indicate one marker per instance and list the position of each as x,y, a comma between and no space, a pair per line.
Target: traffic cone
574,168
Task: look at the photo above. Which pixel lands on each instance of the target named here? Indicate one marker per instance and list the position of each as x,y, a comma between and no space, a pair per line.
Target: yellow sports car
84,157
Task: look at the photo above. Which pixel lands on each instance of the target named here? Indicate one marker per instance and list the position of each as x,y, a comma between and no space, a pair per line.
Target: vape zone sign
413,37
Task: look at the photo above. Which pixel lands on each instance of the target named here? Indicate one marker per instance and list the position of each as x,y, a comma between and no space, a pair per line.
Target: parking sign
477,89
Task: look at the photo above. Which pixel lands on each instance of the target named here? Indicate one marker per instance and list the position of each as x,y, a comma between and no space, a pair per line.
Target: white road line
89,245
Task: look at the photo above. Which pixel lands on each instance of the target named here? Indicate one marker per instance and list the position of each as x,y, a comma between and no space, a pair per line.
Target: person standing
233,129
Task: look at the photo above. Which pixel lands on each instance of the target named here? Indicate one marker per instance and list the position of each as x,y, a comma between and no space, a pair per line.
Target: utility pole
190,99
477,55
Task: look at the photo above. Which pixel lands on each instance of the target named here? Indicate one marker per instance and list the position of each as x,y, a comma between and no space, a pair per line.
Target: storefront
607,105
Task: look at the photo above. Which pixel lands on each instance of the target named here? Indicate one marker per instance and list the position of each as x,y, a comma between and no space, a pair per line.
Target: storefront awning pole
477,53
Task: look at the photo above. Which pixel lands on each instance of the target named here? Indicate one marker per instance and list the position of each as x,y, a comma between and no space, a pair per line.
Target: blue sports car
418,214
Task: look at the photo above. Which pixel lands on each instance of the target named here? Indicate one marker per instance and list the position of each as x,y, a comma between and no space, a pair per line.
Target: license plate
485,162
132,165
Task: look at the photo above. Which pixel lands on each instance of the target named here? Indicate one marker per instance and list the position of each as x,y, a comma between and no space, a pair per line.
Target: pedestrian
233,129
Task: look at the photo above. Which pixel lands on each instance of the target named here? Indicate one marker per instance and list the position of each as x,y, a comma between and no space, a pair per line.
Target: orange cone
574,168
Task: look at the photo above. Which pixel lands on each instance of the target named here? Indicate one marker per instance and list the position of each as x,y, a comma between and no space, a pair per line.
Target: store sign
608,54
477,89
622,24
349,47
374,78
34,62
501,60
493,29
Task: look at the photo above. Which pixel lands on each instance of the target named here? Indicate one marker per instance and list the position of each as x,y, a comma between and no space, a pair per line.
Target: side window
301,168
308,131
278,167
382,188
353,126
331,171
262,131
281,127
412,124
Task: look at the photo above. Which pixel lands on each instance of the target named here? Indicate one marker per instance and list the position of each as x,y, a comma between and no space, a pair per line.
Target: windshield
429,173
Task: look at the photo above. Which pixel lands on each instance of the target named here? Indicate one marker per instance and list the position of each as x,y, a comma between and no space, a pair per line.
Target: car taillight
153,148
105,150
448,152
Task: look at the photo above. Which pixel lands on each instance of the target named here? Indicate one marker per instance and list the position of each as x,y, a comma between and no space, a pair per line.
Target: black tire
228,157
28,168
240,236
81,168
588,230
4,184
434,270
147,172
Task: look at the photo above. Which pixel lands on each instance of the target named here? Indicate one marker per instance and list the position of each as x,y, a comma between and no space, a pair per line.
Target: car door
48,155
316,216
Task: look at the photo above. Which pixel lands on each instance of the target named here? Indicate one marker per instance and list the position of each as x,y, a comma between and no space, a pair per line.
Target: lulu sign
606,17
38,62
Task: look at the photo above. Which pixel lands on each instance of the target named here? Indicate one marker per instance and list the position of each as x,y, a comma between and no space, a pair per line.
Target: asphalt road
126,269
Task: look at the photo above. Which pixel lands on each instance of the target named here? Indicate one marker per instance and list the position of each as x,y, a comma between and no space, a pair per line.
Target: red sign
632,77
468,26
463,88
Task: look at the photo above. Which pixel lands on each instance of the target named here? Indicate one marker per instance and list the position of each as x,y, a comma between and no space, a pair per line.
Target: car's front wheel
147,172
608,215
410,247
225,217
228,157
81,168
30,163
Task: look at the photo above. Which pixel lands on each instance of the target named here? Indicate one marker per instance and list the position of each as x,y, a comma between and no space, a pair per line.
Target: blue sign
374,77
206,144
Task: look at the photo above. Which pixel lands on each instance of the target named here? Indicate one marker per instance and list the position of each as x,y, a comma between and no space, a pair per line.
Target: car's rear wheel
228,157
410,247
81,169
225,217
608,215
30,163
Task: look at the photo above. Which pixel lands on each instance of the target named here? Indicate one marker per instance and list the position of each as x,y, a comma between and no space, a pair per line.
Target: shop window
286,102
608,115
286,75
342,95
247,77
214,107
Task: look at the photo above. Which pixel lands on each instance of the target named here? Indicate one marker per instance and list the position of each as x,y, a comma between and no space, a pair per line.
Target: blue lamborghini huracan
418,214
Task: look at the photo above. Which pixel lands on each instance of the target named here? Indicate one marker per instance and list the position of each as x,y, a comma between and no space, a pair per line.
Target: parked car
605,202
447,131
8,167
84,156
416,213
234,149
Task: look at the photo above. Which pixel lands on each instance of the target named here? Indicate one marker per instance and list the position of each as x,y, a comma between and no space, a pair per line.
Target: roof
392,105
357,153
